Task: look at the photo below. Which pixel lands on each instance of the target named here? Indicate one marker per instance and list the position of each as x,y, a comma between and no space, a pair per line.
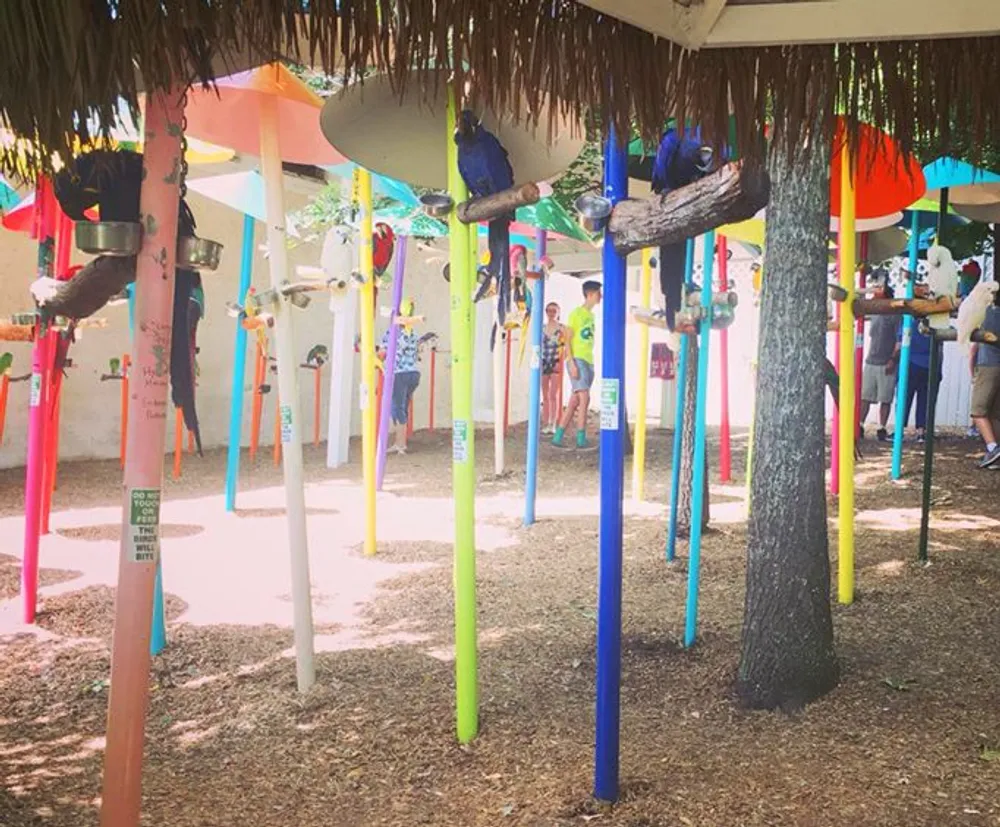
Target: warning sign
144,525
286,424
609,404
460,441
35,398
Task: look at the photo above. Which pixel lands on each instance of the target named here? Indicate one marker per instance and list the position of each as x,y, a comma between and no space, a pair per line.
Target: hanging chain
184,145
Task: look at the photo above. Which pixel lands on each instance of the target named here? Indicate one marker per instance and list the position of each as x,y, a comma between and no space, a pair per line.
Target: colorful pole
140,548
40,359
4,392
932,393
725,453
535,380
368,408
462,448
680,383
390,362
609,580
288,393
639,454
859,340
700,415
178,442
835,429
847,262
904,353
498,402
239,368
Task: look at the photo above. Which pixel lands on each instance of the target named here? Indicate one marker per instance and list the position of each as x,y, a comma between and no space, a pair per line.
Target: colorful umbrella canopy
966,184
381,185
983,213
232,117
243,191
887,180
549,214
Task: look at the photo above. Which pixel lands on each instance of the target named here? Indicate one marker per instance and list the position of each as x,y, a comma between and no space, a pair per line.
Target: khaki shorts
877,385
986,391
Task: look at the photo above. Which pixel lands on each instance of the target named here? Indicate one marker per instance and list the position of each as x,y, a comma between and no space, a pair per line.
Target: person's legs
984,407
883,414
578,402
546,400
586,379
869,394
922,402
403,385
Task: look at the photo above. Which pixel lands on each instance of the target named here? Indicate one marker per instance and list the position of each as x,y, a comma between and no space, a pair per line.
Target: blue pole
698,477
535,383
612,468
239,369
680,377
903,369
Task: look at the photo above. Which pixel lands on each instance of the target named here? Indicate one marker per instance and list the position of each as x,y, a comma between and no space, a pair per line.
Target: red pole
430,413
725,459
126,361
4,392
49,459
178,441
506,386
154,288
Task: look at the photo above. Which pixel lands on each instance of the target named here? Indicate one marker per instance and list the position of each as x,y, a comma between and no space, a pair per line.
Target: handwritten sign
609,404
460,440
36,390
144,525
286,424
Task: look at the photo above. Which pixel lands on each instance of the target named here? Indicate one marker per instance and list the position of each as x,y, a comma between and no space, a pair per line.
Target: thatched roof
60,58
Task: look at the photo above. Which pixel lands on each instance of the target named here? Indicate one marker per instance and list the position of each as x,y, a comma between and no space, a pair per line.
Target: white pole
338,260
288,394
498,388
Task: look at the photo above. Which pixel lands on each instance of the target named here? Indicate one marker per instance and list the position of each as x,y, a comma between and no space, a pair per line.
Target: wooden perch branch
897,307
92,287
493,206
730,194
950,334
16,332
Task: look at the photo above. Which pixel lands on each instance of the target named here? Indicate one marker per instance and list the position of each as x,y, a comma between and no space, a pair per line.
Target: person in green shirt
580,363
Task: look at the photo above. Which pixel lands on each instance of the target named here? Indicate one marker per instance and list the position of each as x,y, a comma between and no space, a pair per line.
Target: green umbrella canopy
549,214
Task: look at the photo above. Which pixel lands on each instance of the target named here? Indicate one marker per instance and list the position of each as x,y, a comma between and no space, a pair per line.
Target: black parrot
832,380
486,170
111,180
679,162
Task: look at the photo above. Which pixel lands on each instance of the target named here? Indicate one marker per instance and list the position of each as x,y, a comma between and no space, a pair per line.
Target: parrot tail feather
499,244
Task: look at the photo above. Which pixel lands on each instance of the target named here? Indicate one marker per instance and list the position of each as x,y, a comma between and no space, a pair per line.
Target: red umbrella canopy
887,180
232,117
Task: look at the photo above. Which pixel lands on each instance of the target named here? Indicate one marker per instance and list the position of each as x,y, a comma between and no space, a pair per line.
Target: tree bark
730,194
788,656
687,446
493,206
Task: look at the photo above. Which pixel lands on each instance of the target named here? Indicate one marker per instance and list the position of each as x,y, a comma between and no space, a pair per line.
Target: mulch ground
911,736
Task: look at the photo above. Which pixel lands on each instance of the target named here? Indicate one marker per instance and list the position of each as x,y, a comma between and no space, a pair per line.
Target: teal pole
680,376
903,369
535,382
698,477
239,369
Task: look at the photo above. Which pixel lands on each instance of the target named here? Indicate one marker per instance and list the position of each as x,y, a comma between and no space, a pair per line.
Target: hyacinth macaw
111,180
485,168
679,162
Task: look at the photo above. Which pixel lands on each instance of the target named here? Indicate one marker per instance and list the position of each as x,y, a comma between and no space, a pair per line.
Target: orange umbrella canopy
887,180
232,117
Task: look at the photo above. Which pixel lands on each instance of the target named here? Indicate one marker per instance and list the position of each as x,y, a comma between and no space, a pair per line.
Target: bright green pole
463,451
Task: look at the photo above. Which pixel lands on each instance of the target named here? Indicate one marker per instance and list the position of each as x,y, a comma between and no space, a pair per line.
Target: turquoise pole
698,477
535,382
679,383
904,354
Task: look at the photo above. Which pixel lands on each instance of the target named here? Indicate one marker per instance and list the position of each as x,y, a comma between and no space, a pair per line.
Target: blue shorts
584,378
403,386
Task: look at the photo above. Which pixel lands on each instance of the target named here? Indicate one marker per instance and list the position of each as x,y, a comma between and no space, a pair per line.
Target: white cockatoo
972,310
45,289
942,280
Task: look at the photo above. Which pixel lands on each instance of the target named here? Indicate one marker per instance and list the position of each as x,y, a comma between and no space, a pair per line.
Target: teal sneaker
557,437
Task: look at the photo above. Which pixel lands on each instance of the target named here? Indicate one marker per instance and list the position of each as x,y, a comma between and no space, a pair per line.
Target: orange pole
258,404
178,441
126,361
317,390
430,414
4,391
277,429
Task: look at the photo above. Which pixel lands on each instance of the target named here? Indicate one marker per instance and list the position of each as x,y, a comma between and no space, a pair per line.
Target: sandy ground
911,736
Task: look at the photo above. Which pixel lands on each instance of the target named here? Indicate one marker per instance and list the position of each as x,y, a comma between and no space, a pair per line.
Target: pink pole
835,435
40,357
725,457
140,547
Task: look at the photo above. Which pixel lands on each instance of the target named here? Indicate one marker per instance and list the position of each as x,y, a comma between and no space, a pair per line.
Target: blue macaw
679,162
486,170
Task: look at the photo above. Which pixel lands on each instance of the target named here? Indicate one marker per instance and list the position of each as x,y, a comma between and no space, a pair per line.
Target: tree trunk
730,194
687,446
787,656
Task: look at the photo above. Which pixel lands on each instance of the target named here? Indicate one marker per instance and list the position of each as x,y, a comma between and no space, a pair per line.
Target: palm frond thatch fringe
64,62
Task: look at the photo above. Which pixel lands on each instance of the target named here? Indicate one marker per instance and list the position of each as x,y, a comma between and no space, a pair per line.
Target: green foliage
330,208
584,175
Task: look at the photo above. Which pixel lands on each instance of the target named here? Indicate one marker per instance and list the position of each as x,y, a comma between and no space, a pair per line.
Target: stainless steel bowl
437,204
594,210
198,253
108,238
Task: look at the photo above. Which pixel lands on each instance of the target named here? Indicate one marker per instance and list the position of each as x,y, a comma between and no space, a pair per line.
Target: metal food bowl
594,210
437,204
198,253
723,315
108,238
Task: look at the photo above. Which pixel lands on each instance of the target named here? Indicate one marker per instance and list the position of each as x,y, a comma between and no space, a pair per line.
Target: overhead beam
686,22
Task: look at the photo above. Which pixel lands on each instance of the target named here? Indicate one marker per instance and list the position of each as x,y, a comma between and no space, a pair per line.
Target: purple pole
390,363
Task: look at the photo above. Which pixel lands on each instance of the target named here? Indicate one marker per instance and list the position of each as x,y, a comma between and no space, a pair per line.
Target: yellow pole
639,458
463,460
367,299
847,263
